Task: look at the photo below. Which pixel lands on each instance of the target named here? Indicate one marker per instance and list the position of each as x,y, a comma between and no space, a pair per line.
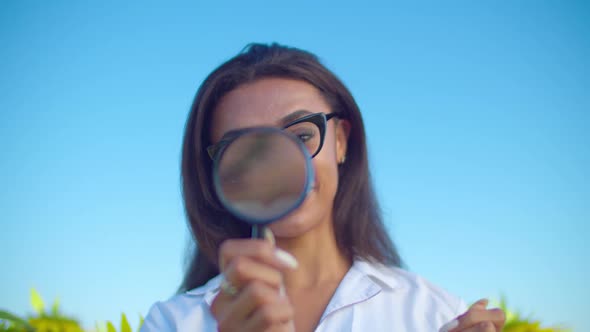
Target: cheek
326,177
326,172
325,164
318,204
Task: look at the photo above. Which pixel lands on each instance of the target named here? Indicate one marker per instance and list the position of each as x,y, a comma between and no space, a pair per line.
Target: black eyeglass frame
319,119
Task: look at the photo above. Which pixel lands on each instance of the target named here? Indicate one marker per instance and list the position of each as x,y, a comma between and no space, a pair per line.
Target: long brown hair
358,225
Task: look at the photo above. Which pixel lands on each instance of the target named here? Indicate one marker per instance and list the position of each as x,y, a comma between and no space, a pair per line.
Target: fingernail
269,236
449,326
286,258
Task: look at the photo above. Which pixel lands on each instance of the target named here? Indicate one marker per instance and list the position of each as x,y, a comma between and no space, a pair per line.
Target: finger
269,316
480,304
481,327
499,320
258,249
254,296
232,312
243,270
285,327
220,304
452,326
486,327
475,316
496,317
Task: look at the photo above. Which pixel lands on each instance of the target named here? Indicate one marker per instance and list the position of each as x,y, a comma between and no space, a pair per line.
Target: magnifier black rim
217,180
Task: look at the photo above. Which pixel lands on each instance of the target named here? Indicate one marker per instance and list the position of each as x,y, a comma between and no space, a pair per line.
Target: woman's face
276,102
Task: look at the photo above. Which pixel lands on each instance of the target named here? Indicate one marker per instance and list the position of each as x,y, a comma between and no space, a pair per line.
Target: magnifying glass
261,175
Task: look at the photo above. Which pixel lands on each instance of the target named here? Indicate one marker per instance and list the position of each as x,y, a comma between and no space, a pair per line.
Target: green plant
54,320
515,322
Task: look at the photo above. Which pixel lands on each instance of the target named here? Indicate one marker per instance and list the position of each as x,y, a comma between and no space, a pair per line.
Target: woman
330,265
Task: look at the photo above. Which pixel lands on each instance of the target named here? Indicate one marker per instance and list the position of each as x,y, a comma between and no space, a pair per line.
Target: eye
305,136
307,132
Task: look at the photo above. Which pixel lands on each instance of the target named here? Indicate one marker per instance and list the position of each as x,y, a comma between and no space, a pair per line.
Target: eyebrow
282,122
293,116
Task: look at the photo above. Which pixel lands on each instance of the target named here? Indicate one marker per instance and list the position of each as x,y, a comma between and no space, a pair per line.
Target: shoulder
411,288
187,309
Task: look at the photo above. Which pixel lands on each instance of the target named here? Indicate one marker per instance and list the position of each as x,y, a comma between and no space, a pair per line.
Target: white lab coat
371,297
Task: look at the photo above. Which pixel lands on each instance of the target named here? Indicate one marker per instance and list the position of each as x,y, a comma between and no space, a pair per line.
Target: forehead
262,103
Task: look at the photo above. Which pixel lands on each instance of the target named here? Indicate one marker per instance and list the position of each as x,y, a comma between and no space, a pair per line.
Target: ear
342,132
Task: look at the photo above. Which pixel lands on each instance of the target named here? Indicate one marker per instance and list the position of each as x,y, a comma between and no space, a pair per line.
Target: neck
320,260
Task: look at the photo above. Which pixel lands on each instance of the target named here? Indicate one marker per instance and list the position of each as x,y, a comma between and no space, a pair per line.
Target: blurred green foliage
54,321
515,322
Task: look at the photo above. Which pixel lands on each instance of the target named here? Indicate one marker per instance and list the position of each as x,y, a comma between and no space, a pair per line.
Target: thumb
480,304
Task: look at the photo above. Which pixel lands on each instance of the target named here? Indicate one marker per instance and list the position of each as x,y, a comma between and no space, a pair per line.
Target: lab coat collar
364,280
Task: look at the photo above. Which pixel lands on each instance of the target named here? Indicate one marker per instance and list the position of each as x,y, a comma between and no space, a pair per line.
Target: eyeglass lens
308,133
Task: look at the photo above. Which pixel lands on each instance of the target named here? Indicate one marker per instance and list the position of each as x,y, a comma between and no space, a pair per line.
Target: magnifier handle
258,231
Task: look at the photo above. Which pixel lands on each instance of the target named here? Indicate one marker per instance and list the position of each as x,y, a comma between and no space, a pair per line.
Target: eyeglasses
310,129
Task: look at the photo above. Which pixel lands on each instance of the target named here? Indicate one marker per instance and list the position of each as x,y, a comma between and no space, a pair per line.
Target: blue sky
477,115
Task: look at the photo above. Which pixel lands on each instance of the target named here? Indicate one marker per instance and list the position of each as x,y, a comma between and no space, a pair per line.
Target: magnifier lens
262,175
